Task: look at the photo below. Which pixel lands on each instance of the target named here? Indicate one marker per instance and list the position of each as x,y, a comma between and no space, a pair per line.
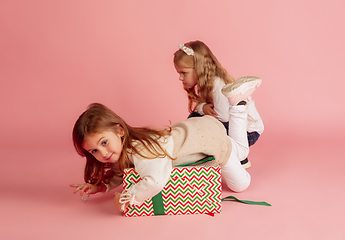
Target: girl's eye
184,73
94,151
104,143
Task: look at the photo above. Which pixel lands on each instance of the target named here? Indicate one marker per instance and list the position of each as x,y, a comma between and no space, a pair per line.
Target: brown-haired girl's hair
206,67
99,118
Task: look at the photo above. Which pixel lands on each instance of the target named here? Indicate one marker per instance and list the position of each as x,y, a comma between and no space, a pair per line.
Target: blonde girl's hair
206,67
98,118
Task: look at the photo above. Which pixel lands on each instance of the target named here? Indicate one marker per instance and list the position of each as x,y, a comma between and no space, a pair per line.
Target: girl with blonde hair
203,77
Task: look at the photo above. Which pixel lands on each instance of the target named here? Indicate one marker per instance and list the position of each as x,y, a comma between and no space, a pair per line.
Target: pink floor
301,176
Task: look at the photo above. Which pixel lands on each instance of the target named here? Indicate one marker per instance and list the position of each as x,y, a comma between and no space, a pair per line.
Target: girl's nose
181,77
104,152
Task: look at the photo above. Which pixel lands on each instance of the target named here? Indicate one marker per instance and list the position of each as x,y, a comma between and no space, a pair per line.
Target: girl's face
105,146
187,76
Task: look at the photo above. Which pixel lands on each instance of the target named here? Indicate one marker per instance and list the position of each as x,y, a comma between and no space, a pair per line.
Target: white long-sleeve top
220,102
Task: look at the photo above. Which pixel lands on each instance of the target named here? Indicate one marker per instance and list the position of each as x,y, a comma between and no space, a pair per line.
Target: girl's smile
110,157
105,146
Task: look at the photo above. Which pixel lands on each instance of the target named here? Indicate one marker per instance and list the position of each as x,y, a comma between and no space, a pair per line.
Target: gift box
193,189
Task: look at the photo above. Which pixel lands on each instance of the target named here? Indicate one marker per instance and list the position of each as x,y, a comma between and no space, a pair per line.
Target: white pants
234,174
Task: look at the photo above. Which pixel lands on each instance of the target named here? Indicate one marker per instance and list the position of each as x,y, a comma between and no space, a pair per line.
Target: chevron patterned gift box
192,189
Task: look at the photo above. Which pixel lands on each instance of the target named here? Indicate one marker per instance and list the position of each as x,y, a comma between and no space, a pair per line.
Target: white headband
187,50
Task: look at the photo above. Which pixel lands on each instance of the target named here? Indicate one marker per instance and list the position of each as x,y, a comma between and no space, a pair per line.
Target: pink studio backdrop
56,57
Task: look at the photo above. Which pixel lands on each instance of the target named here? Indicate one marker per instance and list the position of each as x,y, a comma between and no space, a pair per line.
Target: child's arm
102,187
88,188
117,203
220,102
208,110
154,174
220,106
115,177
114,182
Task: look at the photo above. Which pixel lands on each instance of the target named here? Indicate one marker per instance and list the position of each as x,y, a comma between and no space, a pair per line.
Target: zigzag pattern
145,209
190,190
130,177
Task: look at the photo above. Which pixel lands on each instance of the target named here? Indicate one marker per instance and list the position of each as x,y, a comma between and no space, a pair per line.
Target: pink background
56,57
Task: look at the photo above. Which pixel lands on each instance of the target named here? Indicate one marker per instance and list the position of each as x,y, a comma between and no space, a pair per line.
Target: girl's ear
120,131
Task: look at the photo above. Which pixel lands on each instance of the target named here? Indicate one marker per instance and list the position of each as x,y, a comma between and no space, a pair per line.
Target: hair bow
187,50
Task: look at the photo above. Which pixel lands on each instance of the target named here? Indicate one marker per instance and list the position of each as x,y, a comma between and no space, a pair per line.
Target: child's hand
85,188
208,110
117,203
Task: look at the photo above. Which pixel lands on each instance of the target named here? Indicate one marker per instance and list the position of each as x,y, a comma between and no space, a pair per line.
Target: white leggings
234,174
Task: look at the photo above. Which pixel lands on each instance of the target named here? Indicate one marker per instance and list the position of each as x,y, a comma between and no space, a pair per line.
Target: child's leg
241,89
194,114
238,92
255,123
254,129
226,125
235,176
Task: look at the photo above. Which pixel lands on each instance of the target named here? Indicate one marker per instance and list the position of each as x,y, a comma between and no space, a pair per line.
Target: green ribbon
207,159
247,202
158,207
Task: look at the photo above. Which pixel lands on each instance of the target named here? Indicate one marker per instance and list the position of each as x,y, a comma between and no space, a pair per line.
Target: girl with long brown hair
109,145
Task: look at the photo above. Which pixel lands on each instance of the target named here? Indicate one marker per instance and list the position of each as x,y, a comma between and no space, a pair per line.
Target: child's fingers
75,186
79,187
213,113
84,189
126,205
117,203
